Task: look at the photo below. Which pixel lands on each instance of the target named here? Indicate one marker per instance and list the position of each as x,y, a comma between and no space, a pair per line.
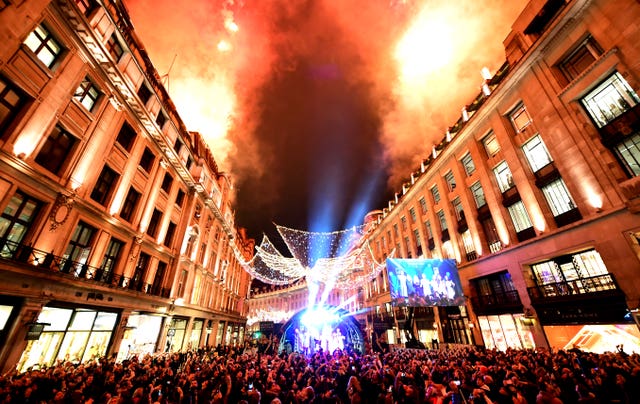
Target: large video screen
424,282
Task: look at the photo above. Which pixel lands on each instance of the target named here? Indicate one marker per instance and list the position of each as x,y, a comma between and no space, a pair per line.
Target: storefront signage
34,330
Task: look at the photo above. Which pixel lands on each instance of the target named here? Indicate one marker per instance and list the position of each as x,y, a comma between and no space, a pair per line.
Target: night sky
321,109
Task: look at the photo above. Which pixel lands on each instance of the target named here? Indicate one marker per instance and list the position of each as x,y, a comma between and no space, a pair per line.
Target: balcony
462,224
471,255
594,300
584,288
431,243
624,125
510,196
568,217
497,303
47,263
546,175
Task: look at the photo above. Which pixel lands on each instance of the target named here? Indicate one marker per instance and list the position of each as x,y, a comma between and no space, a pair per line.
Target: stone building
534,192
117,231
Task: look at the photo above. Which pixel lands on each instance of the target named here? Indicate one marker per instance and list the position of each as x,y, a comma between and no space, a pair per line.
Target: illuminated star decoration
339,259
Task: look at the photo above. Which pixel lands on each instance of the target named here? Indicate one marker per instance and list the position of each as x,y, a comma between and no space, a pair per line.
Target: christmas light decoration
340,259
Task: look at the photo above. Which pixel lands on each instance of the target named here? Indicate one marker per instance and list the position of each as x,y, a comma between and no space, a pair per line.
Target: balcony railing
624,125
574,288
508,301
46,262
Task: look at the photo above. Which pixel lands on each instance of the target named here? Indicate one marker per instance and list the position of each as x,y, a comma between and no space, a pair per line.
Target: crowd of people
231,375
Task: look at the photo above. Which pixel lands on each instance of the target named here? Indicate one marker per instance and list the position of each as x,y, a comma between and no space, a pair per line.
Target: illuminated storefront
196,333
176,334
140,336
220,334
506,331
75,335
598,338
580,304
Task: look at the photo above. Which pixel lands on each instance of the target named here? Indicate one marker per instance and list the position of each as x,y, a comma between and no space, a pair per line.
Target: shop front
580,304
69,334
598,338
502,331
176,334
140,335
196,334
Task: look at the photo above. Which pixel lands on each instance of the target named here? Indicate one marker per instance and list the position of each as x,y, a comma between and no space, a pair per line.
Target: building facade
534,191
117,233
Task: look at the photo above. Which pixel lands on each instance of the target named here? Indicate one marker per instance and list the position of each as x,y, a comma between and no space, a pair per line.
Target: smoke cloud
309,107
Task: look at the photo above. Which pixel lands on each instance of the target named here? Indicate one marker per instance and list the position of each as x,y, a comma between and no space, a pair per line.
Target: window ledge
571,93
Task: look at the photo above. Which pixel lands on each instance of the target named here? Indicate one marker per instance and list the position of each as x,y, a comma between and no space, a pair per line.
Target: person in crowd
229,375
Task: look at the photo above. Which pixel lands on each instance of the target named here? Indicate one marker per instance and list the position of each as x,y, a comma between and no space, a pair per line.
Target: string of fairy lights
340,259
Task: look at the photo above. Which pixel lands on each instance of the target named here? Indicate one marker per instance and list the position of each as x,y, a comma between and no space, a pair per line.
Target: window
457,207
407,246
469,247
491,234
442,220
520,118
168,238
610,99
423,205
416,235
139,274
580,58
558,197
126,137
44,46
104,186
114,48
180,197
182,283
11,102
110,259
166,182
86,6
144,93
583,272
87,94
161,119
490,144
412,214
536,153
15,222
628,151
503,176
395,229
178,145
435,193
147,160
427,226
450,180
467,163
130,204
403,220
478,194
519,216
79,246
58,146
154,223
156,288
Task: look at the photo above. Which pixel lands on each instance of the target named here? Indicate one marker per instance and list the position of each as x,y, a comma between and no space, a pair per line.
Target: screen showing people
424,282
